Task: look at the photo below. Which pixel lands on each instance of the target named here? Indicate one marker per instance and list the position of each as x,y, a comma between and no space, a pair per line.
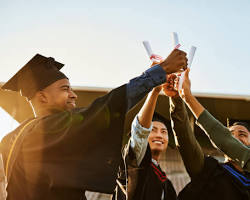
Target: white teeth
158,142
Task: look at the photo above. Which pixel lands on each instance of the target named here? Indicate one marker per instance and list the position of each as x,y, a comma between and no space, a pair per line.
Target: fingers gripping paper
190,60
190,56
156,58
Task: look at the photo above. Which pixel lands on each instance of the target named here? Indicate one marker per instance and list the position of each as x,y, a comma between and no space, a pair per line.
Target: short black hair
246,125
234,122
160,118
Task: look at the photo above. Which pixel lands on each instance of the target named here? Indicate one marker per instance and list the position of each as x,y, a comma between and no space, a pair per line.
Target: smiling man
158,137
57,154
149,139
241,131
56,97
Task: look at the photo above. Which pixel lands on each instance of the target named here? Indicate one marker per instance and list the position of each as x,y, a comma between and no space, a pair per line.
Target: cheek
62,97
59,99
248,141
166,142
235,135
51,99
165,137
149,138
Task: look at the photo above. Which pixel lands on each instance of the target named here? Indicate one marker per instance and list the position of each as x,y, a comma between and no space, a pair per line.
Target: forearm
189,148
223,138
147,111
194,105
138,87
139,139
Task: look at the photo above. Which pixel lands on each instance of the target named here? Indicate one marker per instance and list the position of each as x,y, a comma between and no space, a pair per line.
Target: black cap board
36,75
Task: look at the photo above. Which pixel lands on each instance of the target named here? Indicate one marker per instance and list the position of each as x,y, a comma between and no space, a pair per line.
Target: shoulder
7,137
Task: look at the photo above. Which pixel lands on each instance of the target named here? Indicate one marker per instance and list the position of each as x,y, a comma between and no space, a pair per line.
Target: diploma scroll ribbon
153,57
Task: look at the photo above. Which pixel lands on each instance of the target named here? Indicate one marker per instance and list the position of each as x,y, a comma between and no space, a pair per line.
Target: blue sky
100,42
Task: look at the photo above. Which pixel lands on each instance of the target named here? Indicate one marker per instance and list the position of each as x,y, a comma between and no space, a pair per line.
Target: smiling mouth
72,103
157,142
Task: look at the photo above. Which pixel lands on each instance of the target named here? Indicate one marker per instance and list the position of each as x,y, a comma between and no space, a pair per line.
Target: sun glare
7,123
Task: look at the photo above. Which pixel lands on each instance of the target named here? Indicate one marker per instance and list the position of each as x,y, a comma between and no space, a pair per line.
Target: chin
157,149
70,107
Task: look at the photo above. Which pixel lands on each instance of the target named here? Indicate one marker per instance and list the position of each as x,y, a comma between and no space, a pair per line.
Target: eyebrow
160,128
65,86
241,131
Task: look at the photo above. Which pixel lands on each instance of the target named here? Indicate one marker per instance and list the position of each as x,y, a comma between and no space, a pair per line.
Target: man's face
59,95
241,133
158,137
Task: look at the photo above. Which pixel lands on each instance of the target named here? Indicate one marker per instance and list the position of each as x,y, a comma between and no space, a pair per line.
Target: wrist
165,67
188,97
176,99
156,91
177,96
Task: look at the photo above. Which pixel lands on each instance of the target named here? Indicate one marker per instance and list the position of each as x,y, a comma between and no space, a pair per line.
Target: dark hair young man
149,139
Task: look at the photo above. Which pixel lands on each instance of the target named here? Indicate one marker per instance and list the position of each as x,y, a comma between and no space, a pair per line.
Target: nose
72,94
158,134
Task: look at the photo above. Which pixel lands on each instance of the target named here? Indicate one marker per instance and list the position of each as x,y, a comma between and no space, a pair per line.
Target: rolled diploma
153,57
190,60
148,48
175,40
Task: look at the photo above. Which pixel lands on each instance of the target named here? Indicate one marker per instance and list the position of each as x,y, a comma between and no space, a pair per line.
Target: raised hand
169,87
175,62
186,86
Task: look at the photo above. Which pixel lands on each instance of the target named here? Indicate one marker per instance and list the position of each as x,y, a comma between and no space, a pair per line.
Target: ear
42,97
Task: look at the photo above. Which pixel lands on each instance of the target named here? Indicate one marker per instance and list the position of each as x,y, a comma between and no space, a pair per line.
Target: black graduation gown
215,182
62,155
143,183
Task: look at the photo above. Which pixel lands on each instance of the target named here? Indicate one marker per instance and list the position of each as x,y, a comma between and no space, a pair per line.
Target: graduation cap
36,75
234,122
160,118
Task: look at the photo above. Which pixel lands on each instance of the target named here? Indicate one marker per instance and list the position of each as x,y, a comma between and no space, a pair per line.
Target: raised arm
141,125
217,132
138,87
147,111
188,146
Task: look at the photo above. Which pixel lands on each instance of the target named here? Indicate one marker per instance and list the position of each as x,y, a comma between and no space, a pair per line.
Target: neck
43,112
156,155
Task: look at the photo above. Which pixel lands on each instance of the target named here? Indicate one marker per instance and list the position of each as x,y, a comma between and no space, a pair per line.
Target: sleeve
79,142
188,146
139,139
223,138
82,140
138,87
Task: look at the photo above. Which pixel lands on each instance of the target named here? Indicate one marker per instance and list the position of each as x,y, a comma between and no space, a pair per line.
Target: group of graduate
63,150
